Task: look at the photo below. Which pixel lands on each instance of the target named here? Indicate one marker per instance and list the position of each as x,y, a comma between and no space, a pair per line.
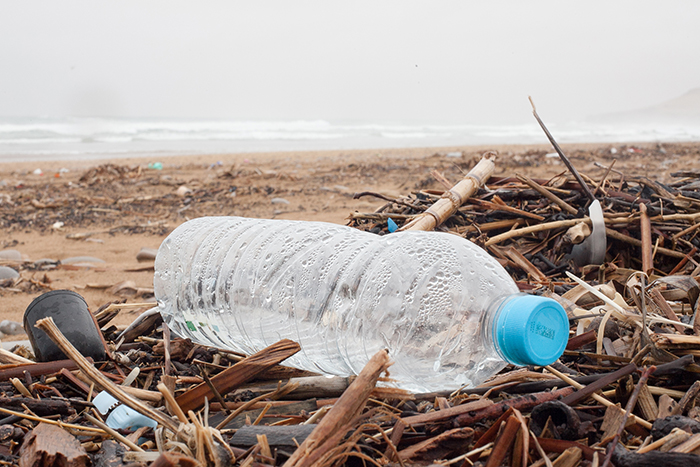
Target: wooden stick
536,228
35,369
687,399
516,257
333,427
547,194
628,410
439,415
579,341
521,403
695,226
672,437
504,442
645,227
279,392
488,226
599,186
238,374
116,435
633,241
451,200
585,391
171,403
663,305
683,262
601,399
52,422
505,208
565,160
49,327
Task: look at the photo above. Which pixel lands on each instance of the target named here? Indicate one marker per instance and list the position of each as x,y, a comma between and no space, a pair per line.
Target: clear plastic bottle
448,313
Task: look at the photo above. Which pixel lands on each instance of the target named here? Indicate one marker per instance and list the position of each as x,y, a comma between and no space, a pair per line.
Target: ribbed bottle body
343,294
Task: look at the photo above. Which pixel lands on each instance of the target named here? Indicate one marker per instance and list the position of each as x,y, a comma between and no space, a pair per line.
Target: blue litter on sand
391,225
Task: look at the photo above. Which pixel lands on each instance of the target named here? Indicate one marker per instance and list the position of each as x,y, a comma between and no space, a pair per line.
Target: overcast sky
431,61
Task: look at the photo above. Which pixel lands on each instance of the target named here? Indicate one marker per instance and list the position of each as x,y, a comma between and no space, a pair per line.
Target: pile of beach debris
624,392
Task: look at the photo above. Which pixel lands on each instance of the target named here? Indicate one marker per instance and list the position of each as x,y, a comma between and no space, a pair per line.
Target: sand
115,208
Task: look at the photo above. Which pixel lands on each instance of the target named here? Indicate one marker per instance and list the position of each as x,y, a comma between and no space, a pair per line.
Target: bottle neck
488,324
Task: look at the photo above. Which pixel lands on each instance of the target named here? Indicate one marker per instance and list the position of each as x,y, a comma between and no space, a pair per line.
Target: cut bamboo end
452,199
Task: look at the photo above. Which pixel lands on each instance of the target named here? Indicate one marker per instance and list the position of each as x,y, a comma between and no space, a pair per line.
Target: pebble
11,255
8,273
183,191
146,254
11,327
279,201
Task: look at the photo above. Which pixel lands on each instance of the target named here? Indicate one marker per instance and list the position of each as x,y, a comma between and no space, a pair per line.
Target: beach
80,224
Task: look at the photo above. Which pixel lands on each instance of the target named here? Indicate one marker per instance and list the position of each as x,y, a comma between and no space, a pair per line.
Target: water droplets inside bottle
343,294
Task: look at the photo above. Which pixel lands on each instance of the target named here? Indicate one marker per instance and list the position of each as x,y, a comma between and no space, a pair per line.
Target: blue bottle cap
531,330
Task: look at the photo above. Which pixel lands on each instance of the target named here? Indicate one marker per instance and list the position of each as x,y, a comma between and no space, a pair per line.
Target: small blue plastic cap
531,330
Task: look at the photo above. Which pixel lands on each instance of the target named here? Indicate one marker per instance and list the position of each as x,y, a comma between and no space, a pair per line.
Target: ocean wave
105,137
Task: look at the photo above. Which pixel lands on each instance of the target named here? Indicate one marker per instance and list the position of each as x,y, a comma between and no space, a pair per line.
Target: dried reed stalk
452,199
49,327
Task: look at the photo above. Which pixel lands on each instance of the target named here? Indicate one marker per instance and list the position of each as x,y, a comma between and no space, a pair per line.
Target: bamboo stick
451,200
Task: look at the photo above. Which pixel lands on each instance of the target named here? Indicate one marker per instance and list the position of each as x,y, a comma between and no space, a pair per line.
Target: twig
595,396
599,186
633,241
116,435
547,194
564,159
645,227
52,422
521,403
536,228
49,327
628,411
279,392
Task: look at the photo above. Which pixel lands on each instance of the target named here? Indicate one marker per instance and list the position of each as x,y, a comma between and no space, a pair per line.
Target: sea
73,138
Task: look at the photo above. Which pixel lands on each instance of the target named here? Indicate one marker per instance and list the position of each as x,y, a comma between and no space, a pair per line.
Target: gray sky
439,61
